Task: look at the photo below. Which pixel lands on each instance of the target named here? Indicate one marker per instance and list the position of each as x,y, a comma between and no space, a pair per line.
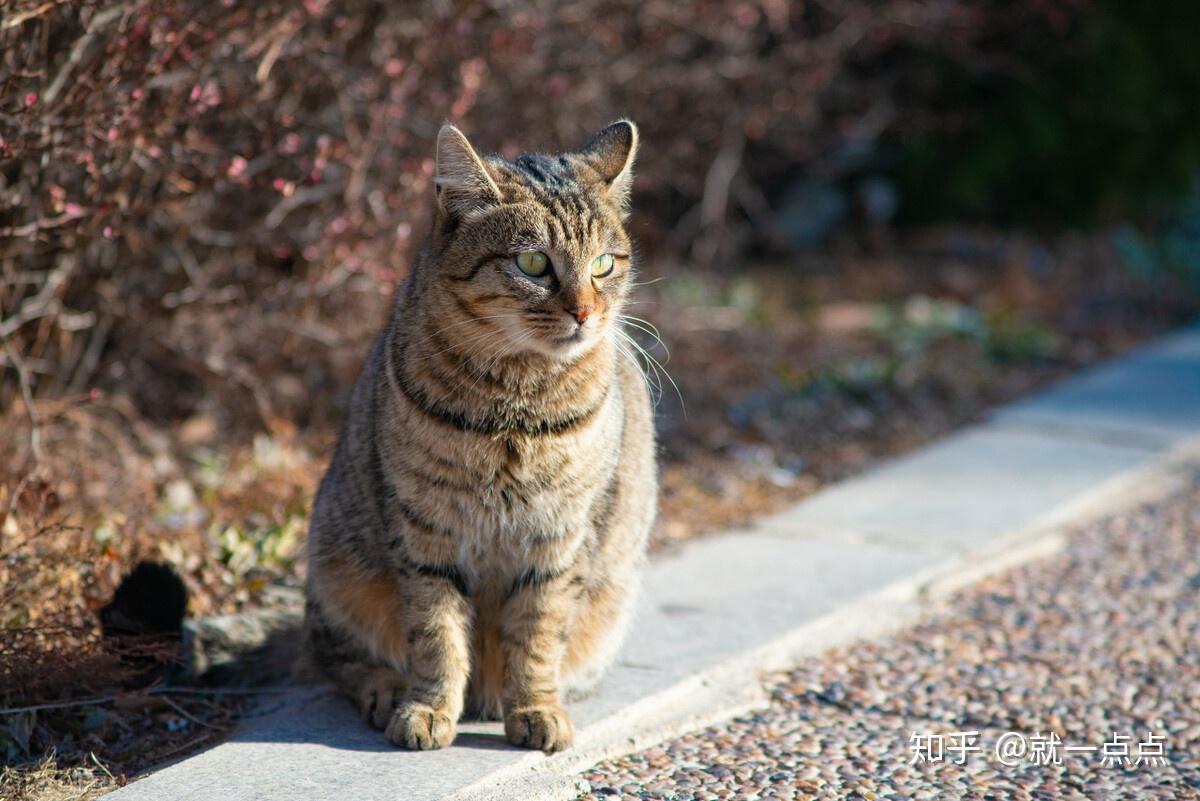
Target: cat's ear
610,153
463,183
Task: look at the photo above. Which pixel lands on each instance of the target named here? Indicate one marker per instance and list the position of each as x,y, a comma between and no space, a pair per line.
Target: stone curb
852,562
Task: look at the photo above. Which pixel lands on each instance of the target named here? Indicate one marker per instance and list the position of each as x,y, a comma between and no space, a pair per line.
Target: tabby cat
476,542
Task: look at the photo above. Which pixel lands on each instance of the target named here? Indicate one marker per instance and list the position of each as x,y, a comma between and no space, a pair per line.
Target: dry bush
46,781
208,204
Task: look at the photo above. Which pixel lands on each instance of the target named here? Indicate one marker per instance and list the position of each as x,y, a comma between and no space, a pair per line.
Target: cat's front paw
378,696
420,727
547,728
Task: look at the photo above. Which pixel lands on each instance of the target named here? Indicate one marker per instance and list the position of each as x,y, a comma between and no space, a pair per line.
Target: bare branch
18,364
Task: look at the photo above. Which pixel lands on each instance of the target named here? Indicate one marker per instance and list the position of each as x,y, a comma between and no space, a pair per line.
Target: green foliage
273,547
1005,335
913,336
1170,256
1096,123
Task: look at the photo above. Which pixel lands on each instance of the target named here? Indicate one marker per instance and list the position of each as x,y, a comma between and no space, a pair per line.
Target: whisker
646,323
656,366
653,385
645,328
652,332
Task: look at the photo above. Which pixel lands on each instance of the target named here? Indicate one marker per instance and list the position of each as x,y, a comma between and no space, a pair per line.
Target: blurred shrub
1170,253
1083,111
209,203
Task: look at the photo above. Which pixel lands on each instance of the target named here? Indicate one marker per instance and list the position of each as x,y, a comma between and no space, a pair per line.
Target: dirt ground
772,382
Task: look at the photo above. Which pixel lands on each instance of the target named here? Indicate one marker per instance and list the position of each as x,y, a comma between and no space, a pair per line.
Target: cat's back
347,499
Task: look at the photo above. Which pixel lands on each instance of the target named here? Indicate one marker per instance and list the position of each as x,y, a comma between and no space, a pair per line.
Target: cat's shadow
316,714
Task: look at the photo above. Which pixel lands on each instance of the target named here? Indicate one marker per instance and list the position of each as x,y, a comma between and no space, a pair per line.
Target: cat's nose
580,313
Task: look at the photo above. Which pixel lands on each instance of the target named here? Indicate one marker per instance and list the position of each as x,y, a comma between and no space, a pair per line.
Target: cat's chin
565,348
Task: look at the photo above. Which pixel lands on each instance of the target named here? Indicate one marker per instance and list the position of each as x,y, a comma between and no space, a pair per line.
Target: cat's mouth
565,343
575,336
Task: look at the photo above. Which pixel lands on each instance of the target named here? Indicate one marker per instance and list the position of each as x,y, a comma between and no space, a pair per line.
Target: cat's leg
603,609
334,652
439,662
354,623
534,630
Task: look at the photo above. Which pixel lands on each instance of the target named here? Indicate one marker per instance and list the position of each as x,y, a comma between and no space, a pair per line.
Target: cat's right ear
463,184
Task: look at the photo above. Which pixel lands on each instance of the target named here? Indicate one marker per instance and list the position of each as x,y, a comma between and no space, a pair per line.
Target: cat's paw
547,728
378,696
420,727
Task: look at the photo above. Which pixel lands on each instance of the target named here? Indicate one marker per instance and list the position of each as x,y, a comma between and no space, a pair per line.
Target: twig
36,366
16,710
39,305
193,718
86,367
31,228
721,172
56,527
218,690
272,54
77,53
104,699
101,765
161,756
714,203
304,197
35,444
24,16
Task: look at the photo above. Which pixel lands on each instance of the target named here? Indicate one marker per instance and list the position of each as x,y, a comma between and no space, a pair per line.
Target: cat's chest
534,487
516,474
524,465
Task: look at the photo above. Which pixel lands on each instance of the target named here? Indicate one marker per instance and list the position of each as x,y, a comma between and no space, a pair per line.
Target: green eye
533,263
603,265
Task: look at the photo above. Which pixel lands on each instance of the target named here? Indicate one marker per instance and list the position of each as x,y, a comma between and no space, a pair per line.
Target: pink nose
580,313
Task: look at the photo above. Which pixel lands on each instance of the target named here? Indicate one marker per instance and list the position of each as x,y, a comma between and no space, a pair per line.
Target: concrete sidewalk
852,561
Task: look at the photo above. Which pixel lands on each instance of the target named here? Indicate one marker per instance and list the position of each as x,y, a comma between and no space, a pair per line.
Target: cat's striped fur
476,541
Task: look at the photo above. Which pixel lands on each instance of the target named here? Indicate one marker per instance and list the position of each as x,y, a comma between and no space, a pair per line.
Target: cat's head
533,250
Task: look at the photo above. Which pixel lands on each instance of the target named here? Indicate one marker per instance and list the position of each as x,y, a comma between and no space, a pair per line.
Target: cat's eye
533,263
603,265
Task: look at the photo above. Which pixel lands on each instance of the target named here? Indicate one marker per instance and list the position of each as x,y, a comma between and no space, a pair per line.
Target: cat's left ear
611,153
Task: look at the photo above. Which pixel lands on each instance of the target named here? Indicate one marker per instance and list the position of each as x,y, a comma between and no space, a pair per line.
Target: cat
476,542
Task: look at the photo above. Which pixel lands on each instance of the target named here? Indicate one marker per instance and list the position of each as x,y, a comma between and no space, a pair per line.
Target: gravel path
1101,640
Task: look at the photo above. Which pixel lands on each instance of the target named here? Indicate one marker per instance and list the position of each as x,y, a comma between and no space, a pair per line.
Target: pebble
1103,638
